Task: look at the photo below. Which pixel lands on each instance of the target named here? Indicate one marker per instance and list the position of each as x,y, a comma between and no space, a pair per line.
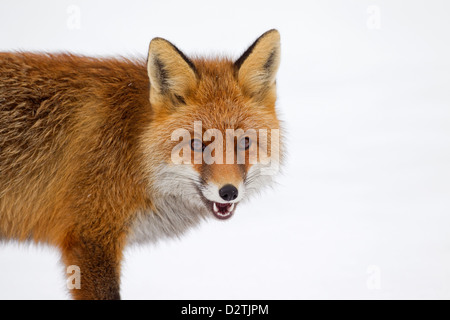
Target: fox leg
98,264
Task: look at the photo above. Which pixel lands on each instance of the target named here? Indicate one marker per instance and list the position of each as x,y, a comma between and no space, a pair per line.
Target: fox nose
228,192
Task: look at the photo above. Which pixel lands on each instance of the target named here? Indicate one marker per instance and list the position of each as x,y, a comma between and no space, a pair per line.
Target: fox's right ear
172,75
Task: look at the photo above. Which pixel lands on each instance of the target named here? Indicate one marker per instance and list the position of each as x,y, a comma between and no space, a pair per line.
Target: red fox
87,148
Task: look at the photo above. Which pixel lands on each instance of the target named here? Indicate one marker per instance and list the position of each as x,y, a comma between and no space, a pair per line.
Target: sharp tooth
215,207
231,208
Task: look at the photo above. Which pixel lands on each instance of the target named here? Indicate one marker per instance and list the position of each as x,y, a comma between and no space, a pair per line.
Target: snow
362,210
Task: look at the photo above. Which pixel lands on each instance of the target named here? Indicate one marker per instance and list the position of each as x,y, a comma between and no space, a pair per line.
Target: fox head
214,137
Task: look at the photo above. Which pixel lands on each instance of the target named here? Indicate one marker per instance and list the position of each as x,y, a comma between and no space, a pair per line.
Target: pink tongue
221,210
223,207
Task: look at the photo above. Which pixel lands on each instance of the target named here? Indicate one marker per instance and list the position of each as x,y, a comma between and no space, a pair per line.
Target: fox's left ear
258,66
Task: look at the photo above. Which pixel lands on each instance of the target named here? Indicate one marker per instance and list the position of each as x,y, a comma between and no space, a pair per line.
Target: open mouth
223,210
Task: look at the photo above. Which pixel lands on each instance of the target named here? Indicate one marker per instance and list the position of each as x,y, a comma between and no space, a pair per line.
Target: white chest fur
173,216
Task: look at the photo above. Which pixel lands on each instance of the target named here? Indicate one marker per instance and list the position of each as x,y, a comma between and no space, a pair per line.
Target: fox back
99,153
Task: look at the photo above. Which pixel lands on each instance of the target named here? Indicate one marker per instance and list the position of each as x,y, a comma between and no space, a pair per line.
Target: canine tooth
231,208
215,207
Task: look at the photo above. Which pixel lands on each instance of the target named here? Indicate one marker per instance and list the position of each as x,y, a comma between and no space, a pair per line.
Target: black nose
228,192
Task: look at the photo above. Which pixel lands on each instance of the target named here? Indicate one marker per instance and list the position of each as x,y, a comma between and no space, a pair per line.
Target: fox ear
172,75
258,66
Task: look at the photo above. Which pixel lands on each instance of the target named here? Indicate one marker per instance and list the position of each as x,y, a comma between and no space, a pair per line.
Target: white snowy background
362,210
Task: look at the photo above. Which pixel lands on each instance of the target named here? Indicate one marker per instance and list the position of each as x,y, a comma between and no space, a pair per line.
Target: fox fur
85,147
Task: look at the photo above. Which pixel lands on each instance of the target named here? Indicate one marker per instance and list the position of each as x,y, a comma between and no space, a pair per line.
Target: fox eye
244,143
197,145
